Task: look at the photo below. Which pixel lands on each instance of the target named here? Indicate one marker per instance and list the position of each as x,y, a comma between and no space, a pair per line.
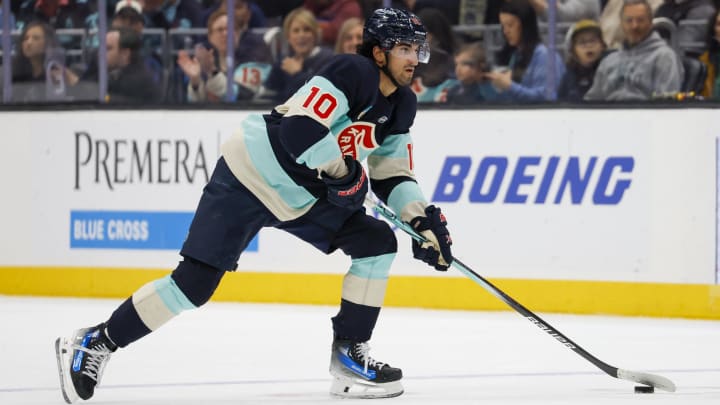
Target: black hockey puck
644,389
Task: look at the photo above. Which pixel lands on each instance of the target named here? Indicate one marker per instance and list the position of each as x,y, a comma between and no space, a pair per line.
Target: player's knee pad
197,280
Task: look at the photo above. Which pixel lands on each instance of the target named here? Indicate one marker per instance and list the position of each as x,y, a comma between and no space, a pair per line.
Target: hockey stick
636,376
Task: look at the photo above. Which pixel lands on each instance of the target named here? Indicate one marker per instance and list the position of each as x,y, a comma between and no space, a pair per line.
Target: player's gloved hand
348,191
436,251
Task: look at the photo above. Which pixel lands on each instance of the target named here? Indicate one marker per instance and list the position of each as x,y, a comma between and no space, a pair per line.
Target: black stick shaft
534,318
384,211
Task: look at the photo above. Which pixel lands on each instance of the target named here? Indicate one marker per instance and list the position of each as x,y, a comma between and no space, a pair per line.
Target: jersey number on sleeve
323,106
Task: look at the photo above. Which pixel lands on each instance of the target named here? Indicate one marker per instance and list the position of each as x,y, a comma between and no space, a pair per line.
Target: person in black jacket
128,78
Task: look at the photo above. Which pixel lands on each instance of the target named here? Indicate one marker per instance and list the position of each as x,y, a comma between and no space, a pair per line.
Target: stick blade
653,380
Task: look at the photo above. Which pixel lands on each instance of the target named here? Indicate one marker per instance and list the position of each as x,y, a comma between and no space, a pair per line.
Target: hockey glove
436,251
348,191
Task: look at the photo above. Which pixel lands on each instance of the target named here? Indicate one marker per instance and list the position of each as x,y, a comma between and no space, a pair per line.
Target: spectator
59,14
128,14
688,10
569,10
525,77
610,22
174,15
38,68
331,14
711,58
349,36
207,69
644,67
253,58
305,57
471,86
129,81
433,79
586,49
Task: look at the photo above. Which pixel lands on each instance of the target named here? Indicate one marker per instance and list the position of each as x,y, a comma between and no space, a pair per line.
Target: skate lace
95,362
362,352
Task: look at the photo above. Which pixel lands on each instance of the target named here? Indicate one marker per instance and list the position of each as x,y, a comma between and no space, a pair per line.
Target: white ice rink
278,354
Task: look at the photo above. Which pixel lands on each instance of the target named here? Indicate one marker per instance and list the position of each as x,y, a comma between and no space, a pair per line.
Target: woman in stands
349,36
38,69
524,58
305,58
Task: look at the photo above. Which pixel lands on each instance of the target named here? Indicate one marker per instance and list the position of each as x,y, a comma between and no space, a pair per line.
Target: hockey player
298,169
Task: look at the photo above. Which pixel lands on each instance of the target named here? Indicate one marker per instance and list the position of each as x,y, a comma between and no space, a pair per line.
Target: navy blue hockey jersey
340,111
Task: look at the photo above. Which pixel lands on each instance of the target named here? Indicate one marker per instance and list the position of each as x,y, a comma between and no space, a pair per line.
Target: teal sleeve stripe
171,295
263,158
324,151
327,92
403,194
395,146
372,268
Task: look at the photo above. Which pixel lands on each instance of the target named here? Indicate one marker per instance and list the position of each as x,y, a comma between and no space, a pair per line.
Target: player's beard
404,78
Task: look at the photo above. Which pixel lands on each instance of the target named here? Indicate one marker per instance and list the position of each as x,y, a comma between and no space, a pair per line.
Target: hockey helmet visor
390,26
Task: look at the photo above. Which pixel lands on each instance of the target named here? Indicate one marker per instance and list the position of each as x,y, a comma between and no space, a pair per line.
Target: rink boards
583,211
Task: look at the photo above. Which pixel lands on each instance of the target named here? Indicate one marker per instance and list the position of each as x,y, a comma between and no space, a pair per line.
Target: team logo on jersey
355,136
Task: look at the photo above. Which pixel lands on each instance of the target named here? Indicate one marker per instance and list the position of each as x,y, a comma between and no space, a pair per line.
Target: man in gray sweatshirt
643,67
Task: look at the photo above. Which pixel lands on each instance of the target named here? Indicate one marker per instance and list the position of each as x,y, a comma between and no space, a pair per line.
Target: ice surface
278,354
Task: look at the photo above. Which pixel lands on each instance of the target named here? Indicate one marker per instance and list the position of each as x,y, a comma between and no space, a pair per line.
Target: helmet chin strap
385,70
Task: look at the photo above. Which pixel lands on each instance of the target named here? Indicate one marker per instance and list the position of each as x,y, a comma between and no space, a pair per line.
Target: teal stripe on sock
171,295
376,267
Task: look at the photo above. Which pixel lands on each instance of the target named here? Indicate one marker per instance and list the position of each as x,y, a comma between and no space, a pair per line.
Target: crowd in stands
489,51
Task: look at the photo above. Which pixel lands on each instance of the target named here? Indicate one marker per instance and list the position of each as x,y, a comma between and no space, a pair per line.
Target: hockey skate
357,375
81,360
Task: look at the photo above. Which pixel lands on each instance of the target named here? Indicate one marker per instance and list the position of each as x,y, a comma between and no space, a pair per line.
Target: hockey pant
226,220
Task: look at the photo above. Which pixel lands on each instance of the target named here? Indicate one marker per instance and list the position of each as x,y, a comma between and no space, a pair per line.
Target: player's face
512,28
402,62
636,21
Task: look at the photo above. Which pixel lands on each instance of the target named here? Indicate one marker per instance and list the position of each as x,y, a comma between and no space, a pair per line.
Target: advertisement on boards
538,194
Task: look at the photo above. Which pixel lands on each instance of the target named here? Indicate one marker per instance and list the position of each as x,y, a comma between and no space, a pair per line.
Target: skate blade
343,387
62,354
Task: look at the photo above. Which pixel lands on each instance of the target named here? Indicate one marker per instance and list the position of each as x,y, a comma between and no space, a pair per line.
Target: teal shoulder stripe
263,158
372,268
171,295
403,194
394,146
